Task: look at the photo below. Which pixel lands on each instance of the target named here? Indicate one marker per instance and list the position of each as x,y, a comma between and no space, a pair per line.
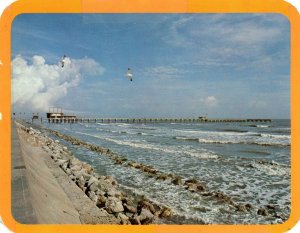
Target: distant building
56,115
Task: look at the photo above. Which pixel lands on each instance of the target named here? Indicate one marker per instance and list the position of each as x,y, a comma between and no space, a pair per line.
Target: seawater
248,161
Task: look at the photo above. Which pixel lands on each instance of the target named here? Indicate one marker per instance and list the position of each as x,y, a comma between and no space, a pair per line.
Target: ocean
250,162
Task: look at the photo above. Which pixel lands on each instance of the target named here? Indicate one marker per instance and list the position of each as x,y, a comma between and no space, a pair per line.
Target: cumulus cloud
210,101
37,85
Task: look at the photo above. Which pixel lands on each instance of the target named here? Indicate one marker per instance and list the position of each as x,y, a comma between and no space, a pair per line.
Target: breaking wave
237,141
202,153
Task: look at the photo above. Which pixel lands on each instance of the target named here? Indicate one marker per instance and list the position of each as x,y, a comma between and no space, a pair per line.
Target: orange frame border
144,6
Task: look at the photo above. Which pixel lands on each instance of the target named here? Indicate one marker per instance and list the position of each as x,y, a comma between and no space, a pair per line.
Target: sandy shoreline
64,190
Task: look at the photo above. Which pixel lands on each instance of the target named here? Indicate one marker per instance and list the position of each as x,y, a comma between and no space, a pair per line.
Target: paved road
22,209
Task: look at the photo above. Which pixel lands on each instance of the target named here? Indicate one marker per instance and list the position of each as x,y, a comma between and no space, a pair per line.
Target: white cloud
253,34
210,101
228,37
175,37
163,72
38,85
213,62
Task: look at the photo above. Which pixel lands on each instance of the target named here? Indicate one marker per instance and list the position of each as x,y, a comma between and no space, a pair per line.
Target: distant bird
129,74
63,60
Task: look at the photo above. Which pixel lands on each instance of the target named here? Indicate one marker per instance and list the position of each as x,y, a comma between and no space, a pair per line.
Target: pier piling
152,120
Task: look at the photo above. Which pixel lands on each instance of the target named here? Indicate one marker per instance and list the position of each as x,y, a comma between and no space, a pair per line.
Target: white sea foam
204,155
216,133
102,124
271,169
284,128
210,141
246,180
146,134
201,153
288,137
236,141
231,134
238,138
262,126
102,130
187,138
123,125
168,194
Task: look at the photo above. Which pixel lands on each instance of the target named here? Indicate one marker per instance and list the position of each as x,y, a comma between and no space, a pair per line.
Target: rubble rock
113,205
262,211
145,216
92,180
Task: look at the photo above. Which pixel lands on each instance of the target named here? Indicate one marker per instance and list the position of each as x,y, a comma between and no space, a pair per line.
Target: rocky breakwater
103,190
191,184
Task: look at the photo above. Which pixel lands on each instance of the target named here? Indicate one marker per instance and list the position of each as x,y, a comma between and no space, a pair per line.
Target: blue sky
183,65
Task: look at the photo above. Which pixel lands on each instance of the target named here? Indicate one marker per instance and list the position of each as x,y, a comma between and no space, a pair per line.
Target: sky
183,65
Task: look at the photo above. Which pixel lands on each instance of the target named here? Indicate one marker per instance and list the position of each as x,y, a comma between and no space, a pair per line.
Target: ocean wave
123,125
281,131
190,131
186,138
235,130
124,132
258,126
253,134
260,143
83,124
101,124
222,141
256,152
262,126
114,131
224,133
203,154
104,130
143,128
276,136
272,169
145,134
284,129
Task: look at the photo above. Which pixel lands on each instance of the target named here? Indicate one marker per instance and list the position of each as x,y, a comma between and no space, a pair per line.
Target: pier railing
149,120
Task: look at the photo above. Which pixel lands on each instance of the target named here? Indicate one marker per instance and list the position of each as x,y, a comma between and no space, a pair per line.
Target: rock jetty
102,190
190,184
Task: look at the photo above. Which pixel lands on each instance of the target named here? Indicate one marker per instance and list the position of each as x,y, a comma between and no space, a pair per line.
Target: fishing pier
164,120
148,120
56,115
